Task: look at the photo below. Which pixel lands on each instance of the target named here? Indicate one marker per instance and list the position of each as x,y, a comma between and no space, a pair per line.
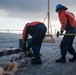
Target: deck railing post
7,35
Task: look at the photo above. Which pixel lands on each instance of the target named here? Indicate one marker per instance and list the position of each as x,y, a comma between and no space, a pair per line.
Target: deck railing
6,35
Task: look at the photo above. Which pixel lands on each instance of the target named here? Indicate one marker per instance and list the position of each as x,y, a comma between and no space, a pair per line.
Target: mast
48,16
49,28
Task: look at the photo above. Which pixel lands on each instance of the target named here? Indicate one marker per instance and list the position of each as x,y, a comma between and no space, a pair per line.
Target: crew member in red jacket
68,23
37,30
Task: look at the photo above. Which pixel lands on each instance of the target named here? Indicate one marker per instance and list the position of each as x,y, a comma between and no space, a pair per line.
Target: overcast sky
14,14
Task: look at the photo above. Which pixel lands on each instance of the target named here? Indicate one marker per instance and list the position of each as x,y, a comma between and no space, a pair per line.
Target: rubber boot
61,60
36,60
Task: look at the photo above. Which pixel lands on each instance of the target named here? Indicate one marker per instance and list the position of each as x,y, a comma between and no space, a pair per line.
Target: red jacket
63,19
25,34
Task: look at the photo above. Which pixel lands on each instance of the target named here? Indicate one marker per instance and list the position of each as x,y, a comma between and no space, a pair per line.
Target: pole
48,15
8,36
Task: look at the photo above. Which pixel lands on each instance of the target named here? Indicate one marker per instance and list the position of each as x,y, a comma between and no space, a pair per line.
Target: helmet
59,7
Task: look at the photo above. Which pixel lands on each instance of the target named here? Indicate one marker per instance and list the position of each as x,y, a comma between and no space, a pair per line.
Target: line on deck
49,61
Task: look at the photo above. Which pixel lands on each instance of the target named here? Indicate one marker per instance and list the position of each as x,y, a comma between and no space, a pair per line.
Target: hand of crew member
24,45
61,31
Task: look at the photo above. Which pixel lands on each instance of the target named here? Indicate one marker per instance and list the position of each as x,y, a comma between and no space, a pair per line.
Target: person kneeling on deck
68,23
37,30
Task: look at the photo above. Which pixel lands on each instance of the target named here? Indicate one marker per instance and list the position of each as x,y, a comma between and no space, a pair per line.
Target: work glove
61,31
24,45
28,48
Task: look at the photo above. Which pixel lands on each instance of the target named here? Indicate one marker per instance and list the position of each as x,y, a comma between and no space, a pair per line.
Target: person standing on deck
68,23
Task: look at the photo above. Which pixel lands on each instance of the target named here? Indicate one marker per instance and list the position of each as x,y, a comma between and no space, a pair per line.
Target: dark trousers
36,40
67,42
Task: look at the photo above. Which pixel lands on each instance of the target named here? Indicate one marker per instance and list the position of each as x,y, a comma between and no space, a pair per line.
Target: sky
14,14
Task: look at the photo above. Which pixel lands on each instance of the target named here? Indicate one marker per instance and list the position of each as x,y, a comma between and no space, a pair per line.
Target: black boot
73,58
61,60
36,60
